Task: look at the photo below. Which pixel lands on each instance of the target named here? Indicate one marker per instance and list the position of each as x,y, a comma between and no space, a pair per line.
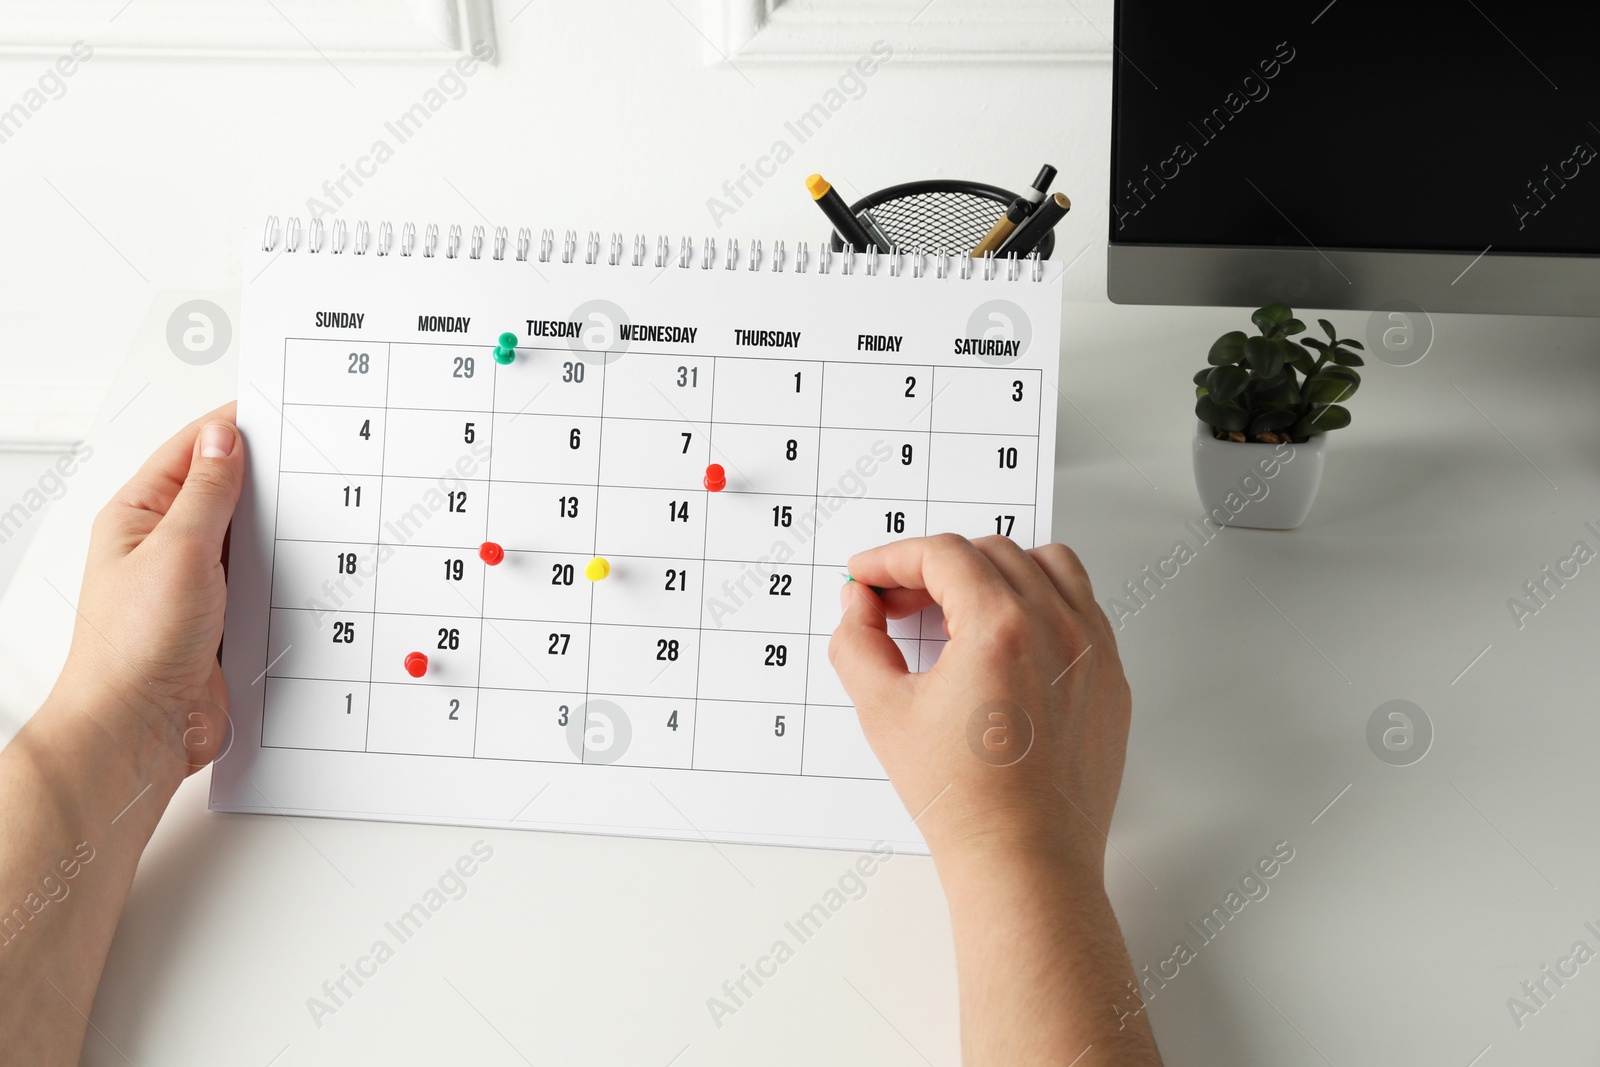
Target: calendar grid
705,535
388,373
1038,429
626,766
811,605
594,550
483,583
728,706
687,489
368,613
420,684
566,454
272,570
927,491
611,418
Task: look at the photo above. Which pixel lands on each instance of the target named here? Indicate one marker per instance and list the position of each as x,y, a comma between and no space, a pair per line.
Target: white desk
1413,908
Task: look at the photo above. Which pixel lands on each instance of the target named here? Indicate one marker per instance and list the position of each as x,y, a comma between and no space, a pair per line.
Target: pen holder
943,213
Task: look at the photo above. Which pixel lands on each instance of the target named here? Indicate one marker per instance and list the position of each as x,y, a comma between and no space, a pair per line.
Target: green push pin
848,578
506,350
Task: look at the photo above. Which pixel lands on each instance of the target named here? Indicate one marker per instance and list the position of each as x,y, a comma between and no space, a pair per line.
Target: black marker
875,232
833,206
1026,237
1015,213
1041,185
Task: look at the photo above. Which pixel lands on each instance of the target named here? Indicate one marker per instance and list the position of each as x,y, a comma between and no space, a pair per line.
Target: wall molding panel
940,31
321,30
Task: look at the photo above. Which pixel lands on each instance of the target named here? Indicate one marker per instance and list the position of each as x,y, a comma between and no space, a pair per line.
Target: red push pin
491,553
416,664
716,479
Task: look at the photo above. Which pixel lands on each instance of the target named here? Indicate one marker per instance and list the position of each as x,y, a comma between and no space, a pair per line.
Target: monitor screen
1358,124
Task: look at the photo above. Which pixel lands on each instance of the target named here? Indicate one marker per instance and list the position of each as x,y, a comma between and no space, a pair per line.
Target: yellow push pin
597,569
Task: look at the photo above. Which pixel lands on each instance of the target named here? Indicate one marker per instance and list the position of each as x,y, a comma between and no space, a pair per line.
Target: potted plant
1265,405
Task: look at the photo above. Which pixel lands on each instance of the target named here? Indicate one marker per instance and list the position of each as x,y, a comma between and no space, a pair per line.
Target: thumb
868,661
201,511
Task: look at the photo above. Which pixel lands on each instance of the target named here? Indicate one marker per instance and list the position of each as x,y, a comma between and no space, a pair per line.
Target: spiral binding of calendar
339,240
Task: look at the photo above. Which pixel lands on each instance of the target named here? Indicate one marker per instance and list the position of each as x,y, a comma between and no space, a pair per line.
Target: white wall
134,185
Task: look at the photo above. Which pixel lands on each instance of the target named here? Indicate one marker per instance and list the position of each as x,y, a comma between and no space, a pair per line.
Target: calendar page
533,538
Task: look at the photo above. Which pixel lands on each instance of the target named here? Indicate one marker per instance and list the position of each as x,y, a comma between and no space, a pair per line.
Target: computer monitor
1357,153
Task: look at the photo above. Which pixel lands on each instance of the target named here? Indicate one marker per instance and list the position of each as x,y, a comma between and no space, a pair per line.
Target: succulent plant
1269,389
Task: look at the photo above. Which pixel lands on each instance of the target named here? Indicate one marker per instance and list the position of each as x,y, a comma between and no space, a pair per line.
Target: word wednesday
683,335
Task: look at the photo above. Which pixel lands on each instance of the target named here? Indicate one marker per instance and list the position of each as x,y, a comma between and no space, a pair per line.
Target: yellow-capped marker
597,569
844,220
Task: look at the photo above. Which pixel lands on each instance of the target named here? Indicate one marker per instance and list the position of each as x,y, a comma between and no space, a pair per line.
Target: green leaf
1303,362
1200,376
1353,344
1229,348
1320,390
1274,418
1332,417
1286,349
1285,392
1346,358
1327,328
1312,342
1333,370
1221,416
1271,315
1225,383
1199,391
1264,357
1290,327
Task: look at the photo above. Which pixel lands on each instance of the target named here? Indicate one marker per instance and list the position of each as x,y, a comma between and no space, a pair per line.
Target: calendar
550,534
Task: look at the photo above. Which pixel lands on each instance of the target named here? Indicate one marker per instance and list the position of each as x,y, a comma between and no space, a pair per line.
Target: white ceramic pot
1265,487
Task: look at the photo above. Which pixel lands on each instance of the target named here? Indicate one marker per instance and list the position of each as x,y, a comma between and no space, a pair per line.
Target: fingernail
844,594
216,441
